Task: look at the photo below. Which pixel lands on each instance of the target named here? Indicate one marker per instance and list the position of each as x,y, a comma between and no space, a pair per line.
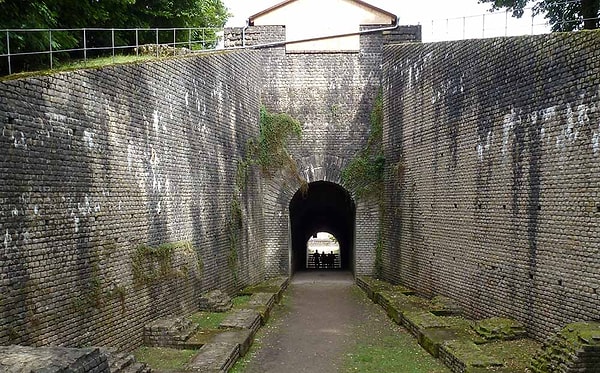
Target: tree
563,15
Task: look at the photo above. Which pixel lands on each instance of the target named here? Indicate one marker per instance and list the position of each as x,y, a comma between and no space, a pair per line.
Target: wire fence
494,24
35,49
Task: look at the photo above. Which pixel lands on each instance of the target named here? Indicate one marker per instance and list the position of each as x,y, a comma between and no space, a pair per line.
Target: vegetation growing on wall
153,264
269,151
364,174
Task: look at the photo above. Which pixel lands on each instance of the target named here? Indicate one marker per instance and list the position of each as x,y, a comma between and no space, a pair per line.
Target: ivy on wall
364,174
268,151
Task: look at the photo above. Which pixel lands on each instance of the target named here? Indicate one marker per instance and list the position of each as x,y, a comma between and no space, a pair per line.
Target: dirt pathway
324,323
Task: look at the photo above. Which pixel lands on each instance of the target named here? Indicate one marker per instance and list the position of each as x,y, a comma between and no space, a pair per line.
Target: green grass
394,353
80,64
240,301
208,320
381,346
162,358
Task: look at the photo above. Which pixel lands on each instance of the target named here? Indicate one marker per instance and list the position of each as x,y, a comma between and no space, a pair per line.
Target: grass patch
208,320
382,346
81,64
240,301
393,353
162,358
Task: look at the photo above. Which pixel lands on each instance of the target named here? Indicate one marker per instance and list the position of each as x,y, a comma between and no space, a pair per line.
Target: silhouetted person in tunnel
330,260
317,259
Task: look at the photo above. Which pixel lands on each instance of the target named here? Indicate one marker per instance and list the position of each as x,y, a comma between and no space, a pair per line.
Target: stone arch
326,206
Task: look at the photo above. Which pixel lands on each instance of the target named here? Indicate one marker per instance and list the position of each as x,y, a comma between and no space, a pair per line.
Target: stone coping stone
498,328
169,332
200,338
466,357
263,303
123,362
242,319
23,359
215,357
215,301
275,285
373,286
396,304
444,306
432,339
416,321
243,337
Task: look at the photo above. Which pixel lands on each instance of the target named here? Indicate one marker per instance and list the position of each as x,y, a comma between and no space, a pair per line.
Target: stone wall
101,167
493,174
332,95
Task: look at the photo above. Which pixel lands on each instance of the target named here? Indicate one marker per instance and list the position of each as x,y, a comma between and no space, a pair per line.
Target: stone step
169,332
263,303
215,357
242,319
465,356
124,363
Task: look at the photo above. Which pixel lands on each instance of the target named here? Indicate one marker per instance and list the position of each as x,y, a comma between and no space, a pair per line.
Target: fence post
483,25
137,43
112,34
84,46
50,42
506,23
190,39
464,26
8,52
156,42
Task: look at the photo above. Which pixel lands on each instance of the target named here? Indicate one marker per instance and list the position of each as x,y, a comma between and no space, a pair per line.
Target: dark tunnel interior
326,207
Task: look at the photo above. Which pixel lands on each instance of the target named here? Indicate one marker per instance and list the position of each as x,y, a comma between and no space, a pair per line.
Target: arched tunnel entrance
326,207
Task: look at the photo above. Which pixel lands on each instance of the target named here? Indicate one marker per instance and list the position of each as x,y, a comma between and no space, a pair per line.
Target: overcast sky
422,12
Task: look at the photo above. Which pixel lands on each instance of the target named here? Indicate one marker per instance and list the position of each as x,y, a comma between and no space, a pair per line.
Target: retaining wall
97,166
493,175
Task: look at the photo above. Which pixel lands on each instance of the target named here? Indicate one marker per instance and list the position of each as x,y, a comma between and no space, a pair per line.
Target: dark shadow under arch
326,207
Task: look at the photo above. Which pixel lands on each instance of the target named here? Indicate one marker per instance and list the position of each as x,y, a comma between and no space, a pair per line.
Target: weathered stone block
22,359
216,357
497,328
215,301
169,332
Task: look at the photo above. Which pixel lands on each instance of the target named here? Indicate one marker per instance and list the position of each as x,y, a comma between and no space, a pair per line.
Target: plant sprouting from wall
364,174
269,151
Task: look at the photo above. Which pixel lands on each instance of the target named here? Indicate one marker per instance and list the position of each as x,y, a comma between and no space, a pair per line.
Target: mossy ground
241,301
208,320
382,346
161,358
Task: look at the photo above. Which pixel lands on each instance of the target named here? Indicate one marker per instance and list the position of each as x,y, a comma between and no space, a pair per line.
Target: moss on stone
471,355
161,358
565,347
154,264
515,354
497,328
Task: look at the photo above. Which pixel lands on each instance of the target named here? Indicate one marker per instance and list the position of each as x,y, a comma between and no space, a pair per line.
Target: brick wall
332,95
95,164
492,150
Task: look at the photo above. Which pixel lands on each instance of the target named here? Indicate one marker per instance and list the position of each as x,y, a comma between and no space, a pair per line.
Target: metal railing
27,49
492,24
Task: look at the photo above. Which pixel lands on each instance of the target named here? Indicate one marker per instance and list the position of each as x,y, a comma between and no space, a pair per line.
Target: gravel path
318,327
